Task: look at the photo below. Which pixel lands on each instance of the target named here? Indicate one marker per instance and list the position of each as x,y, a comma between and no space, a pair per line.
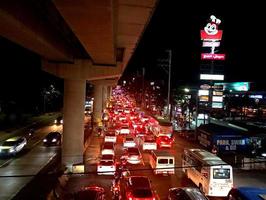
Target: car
13,145
149,143
132,155
106,167
164,141
138,187
108,148
124,130
129,142
90,192
52,138
110,136
187,193
247,193
58,120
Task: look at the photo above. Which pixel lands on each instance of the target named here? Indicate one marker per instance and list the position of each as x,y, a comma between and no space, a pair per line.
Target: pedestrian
214,149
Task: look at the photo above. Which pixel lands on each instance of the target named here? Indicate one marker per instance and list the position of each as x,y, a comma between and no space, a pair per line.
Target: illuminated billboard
203,92
212,56
217,98
204,98
217,105
217,77
235,86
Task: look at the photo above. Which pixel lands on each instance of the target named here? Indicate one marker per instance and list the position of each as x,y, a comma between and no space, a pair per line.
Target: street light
197,100
169,84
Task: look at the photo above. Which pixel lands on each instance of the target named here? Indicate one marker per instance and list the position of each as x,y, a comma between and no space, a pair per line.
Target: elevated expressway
78,41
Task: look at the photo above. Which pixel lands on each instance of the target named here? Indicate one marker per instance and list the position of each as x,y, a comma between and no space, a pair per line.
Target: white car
108,148
110,137
129,142
106,167
149,143
124,130
132,155
12,145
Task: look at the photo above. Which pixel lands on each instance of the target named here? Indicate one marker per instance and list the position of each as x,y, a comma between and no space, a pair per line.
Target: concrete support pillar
73,127
104,90
108,91
97,104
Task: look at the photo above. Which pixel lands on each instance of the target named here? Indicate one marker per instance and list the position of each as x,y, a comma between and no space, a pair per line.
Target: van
162,162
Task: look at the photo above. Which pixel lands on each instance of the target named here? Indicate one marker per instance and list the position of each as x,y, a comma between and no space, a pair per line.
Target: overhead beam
19,25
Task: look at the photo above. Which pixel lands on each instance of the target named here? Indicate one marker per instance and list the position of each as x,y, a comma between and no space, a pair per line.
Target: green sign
235,86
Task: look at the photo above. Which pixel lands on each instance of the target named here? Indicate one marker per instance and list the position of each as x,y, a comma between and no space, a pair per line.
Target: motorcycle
116,189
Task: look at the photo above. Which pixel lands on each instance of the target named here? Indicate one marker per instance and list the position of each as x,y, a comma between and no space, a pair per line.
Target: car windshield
106,163
133,151
129,139
196,194
142,193
9,143
53,135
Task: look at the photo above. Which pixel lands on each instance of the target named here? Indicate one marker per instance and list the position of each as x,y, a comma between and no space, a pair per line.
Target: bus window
171,161
221,173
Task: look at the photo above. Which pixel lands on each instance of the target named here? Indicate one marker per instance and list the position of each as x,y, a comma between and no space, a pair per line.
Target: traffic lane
160,183
33,141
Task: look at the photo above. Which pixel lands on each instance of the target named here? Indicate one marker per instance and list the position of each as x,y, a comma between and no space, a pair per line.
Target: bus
211,174
256,133
226,139
160,127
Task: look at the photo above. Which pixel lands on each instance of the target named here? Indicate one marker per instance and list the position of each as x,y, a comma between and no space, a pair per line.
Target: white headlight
11,150
54,140
44,140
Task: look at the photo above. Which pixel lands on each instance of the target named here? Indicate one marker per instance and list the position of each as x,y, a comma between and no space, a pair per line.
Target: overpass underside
79,41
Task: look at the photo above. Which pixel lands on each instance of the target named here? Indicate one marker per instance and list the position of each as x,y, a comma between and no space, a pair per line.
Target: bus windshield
221,173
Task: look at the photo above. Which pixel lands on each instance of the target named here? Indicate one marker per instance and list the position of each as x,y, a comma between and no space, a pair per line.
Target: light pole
169,83
197,102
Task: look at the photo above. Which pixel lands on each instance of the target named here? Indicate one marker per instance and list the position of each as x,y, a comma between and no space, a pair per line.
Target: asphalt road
160,183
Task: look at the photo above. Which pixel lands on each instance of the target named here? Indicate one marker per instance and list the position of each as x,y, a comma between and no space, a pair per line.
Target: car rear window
142,193
165,161
106,163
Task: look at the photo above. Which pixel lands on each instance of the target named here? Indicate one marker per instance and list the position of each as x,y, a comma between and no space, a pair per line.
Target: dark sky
177,27
174,26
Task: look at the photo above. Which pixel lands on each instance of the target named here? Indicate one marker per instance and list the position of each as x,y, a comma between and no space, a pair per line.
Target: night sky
173,26
177,27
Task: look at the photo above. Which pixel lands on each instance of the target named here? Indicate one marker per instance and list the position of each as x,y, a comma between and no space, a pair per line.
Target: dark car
187,193
91,193
53,138
58,120
247,193
138,187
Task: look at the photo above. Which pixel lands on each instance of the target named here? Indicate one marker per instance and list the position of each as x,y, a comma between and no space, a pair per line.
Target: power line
135,170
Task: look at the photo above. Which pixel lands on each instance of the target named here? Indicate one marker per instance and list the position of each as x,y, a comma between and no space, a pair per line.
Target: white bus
210,173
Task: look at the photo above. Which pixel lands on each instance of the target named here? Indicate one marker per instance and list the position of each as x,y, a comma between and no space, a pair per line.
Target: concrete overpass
79,41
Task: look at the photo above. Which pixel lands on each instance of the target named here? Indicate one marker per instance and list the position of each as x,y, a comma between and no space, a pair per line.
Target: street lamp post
169,83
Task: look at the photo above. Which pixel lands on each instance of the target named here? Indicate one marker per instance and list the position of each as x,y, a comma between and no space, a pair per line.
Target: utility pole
143,85
169,83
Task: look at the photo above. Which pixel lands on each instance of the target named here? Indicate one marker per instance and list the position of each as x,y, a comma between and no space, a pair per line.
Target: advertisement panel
217,98
212,56
203,92
218,77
